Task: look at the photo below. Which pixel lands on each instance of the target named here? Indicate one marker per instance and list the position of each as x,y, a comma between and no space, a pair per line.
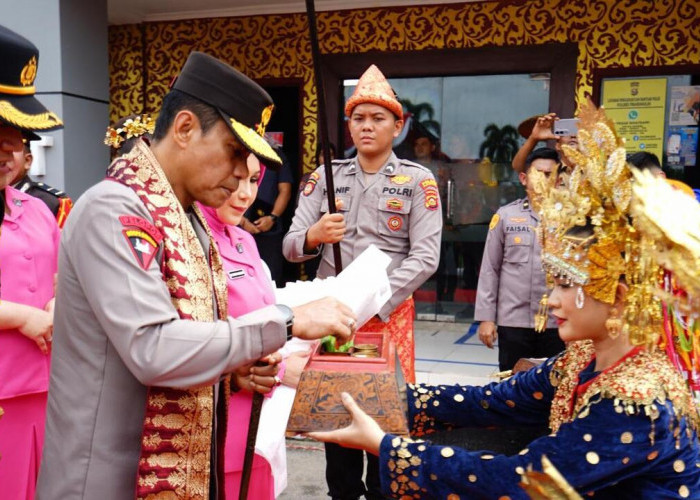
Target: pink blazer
28,263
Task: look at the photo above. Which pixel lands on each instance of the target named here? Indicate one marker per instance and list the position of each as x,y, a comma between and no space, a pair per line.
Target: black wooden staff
323,124
250,444
337,260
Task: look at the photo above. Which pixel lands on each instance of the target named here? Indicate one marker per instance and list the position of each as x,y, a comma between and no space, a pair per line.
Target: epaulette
512,203
409,163
51,190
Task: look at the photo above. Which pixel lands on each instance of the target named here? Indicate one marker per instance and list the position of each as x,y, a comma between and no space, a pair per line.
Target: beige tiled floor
451,353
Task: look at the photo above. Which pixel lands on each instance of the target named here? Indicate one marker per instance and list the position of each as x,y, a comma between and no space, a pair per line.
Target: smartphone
566,127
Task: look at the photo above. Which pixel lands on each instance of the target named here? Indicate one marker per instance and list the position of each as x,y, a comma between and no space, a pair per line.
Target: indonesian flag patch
142,237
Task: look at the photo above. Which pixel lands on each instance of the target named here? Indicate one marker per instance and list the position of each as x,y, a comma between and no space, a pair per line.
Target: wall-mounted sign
685,105
638,107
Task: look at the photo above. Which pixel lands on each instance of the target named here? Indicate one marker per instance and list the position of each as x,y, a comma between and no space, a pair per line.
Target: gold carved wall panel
610,33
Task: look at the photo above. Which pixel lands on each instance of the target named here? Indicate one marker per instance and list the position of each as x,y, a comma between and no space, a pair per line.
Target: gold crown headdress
597,194
133,127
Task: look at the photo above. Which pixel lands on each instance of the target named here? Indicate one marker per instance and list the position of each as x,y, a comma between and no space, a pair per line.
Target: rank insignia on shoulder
395,222
401,179
142,237
394,204
494,221
311,183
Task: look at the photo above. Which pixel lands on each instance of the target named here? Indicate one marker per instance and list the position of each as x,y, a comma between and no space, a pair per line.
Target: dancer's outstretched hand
363,432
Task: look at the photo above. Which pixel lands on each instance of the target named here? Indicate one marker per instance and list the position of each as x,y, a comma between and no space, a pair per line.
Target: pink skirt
21,442
262,483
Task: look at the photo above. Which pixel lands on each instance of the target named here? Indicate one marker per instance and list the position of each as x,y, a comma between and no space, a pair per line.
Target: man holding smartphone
543,128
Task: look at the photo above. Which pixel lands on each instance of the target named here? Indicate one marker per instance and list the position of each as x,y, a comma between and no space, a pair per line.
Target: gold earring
541,316
613,324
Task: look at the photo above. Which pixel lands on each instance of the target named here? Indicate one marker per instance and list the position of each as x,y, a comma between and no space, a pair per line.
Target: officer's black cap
18,106
244,105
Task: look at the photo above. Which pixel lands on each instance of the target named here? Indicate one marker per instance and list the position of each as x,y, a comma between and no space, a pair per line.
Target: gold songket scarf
176,442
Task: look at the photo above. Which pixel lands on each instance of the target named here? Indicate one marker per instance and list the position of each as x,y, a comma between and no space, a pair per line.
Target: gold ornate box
373,382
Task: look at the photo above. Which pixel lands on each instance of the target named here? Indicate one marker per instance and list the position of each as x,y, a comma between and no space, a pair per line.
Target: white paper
363,286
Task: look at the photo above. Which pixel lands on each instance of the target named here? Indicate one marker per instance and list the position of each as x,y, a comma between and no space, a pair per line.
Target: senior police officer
391,203
28,262
141,336
512,282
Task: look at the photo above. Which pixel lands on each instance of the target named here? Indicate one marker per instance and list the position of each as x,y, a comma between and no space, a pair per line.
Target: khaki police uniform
397,209
511,284
116,332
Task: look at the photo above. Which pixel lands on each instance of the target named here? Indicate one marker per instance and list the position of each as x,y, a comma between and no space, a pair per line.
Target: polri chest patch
394,204
142,237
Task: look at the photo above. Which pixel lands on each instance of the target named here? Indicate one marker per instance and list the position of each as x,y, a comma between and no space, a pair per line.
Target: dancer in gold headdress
622,418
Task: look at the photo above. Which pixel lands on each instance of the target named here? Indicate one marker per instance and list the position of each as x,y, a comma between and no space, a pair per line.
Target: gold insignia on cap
41,121
28,74
592,458
254,142
264,119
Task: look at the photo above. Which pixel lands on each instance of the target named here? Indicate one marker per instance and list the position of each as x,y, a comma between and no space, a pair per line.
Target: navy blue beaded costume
626,432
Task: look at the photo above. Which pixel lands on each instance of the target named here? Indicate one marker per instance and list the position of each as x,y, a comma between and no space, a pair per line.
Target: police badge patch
430,190
142,237
395,222
311,183
394,204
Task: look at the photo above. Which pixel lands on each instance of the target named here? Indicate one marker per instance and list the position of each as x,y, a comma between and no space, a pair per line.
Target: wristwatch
288,318
273,217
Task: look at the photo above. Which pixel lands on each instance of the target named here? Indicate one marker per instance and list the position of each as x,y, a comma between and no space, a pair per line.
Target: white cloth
363,286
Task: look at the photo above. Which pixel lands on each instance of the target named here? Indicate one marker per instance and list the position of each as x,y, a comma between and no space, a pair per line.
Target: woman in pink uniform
28,265
249,288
